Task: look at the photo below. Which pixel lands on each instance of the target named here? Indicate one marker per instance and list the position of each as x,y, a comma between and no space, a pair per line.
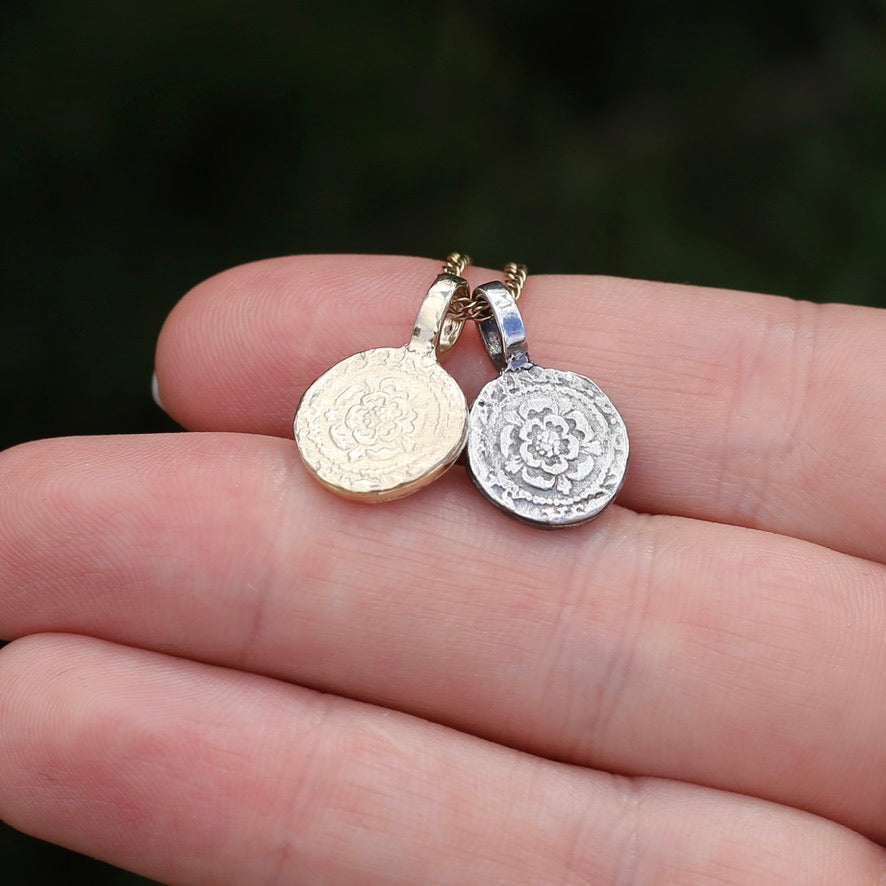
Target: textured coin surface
382,423
547,446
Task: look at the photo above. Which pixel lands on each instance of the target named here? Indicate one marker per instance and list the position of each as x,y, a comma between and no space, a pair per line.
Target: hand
226,674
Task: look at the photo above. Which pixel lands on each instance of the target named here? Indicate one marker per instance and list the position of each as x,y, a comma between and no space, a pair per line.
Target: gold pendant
383,423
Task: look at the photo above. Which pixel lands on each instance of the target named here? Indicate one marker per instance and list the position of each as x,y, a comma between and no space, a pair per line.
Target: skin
222,673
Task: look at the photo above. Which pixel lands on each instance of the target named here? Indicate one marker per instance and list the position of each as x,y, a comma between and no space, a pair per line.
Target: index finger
746,409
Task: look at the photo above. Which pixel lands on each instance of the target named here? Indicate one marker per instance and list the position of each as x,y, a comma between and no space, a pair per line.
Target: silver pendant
545,445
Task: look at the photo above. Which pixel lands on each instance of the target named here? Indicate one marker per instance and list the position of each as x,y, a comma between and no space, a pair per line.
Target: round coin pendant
545,445
383,423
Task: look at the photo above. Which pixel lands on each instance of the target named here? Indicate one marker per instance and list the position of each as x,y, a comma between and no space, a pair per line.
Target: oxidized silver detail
545,445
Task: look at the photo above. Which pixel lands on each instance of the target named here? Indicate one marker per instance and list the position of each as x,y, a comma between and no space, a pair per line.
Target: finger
193,774
742,408
661,646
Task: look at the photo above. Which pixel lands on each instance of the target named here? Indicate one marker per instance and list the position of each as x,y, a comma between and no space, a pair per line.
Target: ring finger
189,773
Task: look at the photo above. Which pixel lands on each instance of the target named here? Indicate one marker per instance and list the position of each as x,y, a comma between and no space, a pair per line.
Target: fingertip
239,349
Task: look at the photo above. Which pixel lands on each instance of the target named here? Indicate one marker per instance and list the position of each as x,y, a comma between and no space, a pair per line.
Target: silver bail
503,334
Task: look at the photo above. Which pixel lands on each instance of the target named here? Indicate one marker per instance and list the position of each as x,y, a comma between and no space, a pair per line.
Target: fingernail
155,392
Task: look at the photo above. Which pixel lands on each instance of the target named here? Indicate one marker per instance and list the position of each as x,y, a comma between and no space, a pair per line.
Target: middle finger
662,646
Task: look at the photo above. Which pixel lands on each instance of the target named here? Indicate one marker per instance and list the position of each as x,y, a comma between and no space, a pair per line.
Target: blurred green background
147,145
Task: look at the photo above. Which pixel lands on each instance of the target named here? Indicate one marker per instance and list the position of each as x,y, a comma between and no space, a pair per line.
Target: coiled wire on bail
455,263
477,309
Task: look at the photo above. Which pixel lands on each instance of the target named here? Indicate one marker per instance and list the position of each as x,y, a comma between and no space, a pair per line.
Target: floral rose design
372,420
548,445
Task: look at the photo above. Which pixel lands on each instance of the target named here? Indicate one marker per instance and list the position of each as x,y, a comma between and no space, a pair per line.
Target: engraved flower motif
548,444
372,419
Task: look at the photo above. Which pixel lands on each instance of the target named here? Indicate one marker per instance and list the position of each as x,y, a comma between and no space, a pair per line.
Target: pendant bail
433,328
503,334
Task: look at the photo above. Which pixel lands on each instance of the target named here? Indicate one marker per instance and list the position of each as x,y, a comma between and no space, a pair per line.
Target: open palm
225,674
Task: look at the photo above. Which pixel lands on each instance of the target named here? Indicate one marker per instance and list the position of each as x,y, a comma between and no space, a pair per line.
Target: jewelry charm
383,423
546,446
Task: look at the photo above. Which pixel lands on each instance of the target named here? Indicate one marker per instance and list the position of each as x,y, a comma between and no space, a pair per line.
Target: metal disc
381,424
547,446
